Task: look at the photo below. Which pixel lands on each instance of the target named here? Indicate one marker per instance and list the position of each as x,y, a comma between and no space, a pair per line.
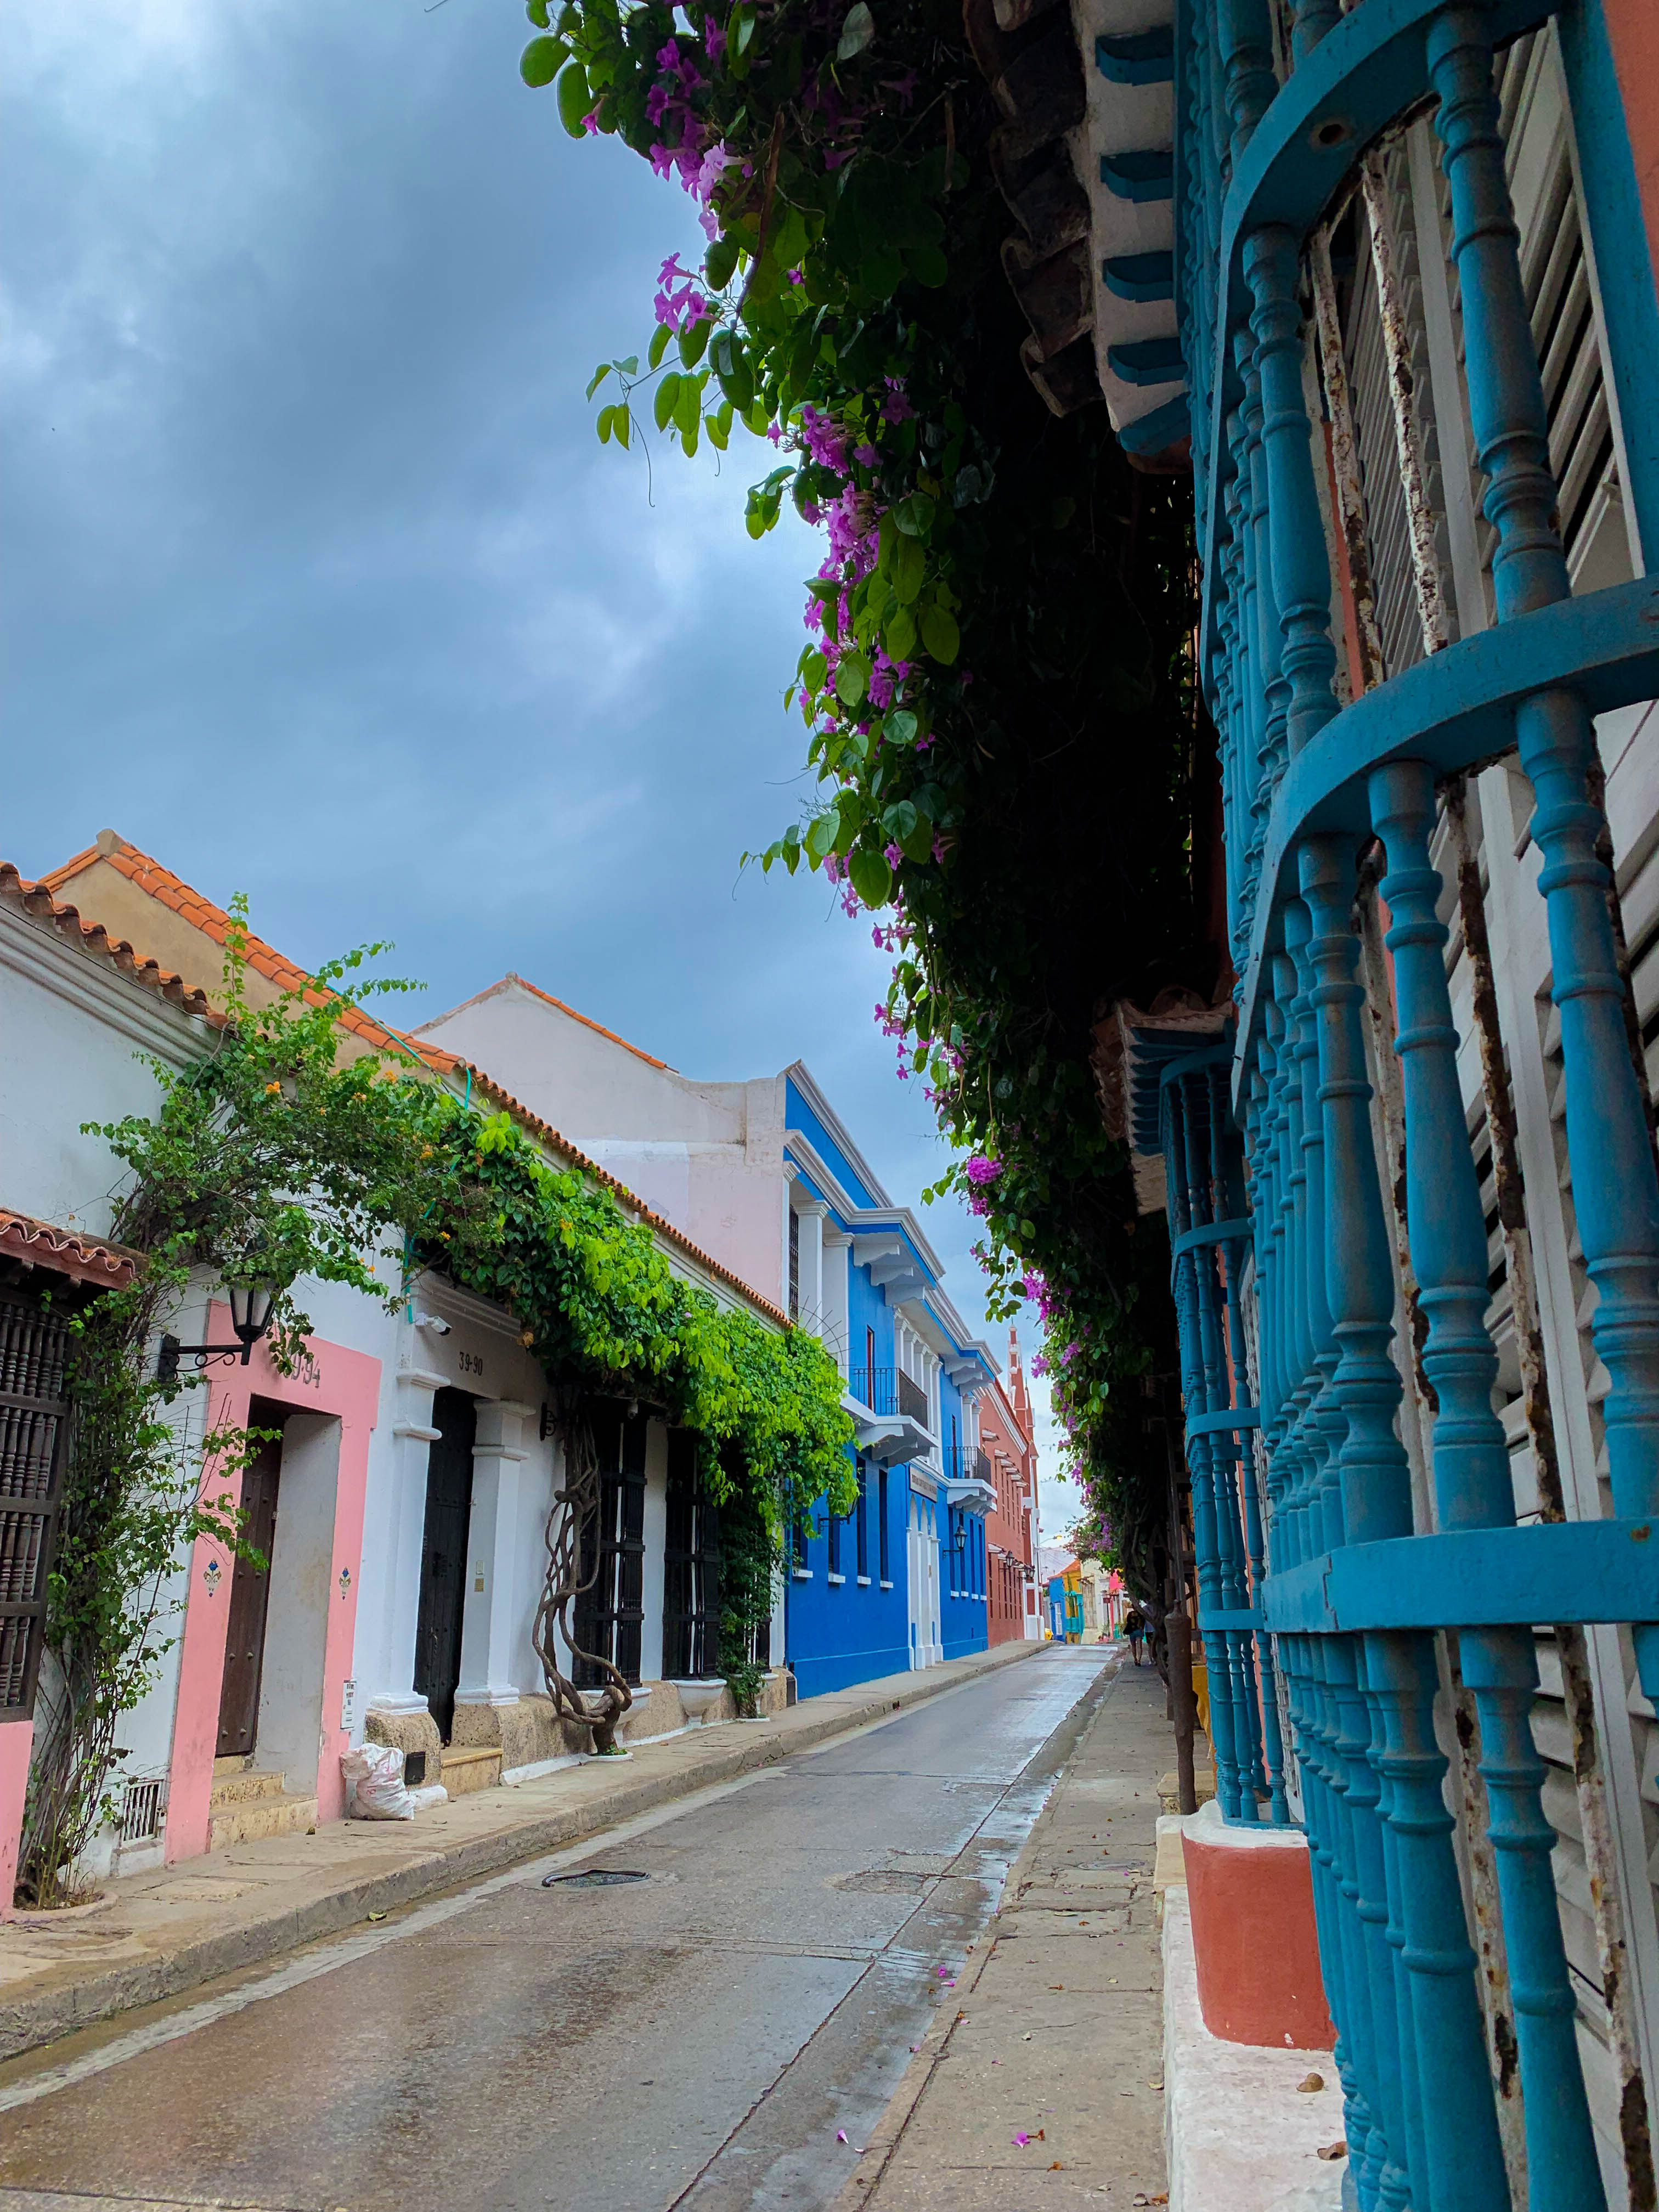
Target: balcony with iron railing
889,1391
968,1463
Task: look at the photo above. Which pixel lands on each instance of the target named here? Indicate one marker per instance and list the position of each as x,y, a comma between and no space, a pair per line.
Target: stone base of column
1254,1935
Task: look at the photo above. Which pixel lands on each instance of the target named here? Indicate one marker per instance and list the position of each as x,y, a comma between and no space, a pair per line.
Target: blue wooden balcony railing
1276,1198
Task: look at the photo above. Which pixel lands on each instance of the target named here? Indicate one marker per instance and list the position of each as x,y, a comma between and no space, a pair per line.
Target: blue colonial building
901,1582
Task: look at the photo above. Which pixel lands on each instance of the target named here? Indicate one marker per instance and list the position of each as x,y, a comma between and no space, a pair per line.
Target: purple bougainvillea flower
841,2135
1021,2142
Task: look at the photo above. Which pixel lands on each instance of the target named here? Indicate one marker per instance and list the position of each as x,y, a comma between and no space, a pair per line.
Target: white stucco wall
708,1157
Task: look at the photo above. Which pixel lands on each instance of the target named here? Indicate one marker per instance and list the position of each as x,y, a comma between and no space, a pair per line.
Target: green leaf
758,418
658,345
537,11
575,98
899,820
857,32
901,726
716,431
814,670
601,424
597,378
542,58
719,263
852,679
688,406
940,636
667,396
909,566
694,341
872,879
927,264
621,424
918,845
900,635
821,837
914,516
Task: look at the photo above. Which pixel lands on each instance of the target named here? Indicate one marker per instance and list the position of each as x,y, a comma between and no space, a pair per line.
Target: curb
889,2131
26,2023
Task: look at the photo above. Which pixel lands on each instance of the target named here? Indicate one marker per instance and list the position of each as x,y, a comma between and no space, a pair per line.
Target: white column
655,1534
492,1548
812,1218
833,1328
936,1650
913,1592
413,1437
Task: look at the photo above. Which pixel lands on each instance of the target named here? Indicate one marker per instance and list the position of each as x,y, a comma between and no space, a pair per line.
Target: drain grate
593,1878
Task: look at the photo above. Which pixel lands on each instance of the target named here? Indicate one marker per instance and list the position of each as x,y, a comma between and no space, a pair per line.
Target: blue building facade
900,1583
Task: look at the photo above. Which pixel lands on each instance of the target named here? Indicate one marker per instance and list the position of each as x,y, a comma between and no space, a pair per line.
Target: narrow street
699,2038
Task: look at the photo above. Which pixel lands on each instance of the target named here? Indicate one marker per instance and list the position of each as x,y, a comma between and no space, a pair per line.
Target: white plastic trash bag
373,1777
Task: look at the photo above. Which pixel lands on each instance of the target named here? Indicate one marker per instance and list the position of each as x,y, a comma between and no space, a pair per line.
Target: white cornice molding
38,953
801,1075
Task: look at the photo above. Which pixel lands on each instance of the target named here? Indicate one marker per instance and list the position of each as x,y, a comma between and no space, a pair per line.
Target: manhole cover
593,1878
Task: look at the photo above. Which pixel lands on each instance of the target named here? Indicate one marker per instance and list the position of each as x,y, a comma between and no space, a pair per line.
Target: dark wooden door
250,1600
443,1555
691,1567
609,1609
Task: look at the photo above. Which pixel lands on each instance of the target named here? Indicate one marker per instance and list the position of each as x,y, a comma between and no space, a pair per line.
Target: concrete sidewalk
172,1930
1040,2083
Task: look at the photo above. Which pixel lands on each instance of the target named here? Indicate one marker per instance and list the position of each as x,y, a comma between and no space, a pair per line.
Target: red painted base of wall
1256,1947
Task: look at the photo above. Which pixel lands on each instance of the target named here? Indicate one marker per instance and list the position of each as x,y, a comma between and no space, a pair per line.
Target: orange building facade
1007,1439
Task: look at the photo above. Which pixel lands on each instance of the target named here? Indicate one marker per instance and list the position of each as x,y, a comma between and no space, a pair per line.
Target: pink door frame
16,1740
344,1385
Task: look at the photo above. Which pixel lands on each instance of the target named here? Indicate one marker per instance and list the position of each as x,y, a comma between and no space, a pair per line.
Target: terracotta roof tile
42,1244
169,890
36,899
162,884
547,997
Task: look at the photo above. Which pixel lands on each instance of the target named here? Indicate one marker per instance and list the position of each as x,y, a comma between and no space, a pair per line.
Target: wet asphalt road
696,2039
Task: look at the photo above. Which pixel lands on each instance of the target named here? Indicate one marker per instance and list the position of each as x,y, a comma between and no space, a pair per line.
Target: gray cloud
318,583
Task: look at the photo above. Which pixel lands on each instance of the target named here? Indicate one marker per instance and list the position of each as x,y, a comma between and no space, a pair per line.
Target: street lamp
250,1302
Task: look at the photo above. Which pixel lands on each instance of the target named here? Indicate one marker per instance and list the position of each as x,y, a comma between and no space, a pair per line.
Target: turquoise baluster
1302,582
1461,2167
1615,1191
1473,1490
1245,38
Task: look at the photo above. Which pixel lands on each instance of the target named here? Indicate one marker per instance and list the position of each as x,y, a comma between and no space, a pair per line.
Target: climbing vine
1005,751
266,1161
605,1313
288,1154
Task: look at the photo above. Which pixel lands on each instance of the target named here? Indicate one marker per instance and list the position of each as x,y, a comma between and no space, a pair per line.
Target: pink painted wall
338,1382
16,1739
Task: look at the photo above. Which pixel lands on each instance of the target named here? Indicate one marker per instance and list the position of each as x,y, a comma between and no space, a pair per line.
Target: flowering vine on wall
993,682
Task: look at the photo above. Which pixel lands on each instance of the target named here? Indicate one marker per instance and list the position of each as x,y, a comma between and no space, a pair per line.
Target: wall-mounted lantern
251,1304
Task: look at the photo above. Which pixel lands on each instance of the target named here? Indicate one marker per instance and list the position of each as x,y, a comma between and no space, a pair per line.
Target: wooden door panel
250,1600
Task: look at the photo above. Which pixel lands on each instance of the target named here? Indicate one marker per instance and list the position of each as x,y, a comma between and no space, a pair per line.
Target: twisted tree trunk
574,1507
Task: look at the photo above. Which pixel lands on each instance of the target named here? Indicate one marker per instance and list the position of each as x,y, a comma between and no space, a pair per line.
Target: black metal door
610,1608
443,1555
691,1569
34,1429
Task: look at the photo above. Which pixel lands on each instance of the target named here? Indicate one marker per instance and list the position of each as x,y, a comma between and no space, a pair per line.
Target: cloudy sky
319,584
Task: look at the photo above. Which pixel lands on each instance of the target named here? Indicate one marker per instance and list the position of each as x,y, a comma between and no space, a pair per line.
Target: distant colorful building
1012,1533
777,1185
